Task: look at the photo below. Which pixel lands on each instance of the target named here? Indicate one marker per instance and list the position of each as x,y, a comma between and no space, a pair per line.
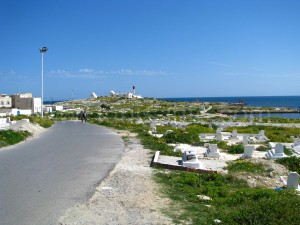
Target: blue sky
166,48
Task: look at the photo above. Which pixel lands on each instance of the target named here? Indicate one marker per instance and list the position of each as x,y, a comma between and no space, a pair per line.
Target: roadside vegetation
45,122
11,137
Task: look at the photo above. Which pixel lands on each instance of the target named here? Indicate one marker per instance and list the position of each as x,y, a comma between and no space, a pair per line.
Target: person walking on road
83,116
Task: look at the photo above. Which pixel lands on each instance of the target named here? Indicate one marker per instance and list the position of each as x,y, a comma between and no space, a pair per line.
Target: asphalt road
43,177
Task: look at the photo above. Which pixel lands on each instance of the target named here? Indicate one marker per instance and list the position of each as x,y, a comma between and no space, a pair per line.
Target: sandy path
127,196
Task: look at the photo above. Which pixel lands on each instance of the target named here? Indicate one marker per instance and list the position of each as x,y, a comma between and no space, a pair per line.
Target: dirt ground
127,196
34,129
267,180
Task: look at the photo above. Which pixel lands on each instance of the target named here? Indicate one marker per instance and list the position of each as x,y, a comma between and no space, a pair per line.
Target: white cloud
218,64
84,74
131,72
91,73
85,70
272,76
236,74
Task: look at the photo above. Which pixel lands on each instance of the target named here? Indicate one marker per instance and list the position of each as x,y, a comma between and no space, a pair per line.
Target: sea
264,101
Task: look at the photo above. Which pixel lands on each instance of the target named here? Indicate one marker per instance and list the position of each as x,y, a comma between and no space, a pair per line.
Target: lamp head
43,49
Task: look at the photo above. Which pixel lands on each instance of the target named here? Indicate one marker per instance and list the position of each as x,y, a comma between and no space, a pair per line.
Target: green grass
11,137
291,163
233,202
236,149
275,134
246,166
43,122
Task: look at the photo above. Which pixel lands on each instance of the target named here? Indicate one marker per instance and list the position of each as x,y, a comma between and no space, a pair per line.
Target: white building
93,95
58,108
125,95
20,104
5,101
36,105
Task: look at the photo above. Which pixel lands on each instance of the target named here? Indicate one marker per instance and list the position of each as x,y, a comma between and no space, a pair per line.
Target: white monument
93,95
219,137
261,136
212,151
293,180
234,134
248,151
189,159
296,145
245,140
276,153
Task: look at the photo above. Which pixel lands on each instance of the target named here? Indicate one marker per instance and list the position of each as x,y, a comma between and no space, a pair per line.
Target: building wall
22,101
17,112
37,105
5,102
58,108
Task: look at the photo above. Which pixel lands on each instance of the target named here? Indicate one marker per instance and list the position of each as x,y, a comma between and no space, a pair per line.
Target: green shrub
11,137
288,151
275,134
236,149
246,166
181,136
197,128
291,163
222,145
213,110
262,148
43,122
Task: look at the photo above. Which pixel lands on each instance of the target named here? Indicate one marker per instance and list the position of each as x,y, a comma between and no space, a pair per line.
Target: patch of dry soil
34,129
268,180
127,196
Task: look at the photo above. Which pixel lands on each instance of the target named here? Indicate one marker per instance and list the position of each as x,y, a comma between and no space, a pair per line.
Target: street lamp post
43,51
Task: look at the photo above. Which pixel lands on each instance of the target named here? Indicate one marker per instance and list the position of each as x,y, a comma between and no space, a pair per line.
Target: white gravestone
212,151
234,134
219,137
296,142
245,140
293,180
261,136
296,145
279,148
276,153
248,151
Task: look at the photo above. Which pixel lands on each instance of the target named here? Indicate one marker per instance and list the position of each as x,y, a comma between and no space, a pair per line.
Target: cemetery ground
135,193
245,195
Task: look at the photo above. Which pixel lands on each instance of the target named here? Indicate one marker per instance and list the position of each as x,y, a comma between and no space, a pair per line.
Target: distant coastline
258,101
